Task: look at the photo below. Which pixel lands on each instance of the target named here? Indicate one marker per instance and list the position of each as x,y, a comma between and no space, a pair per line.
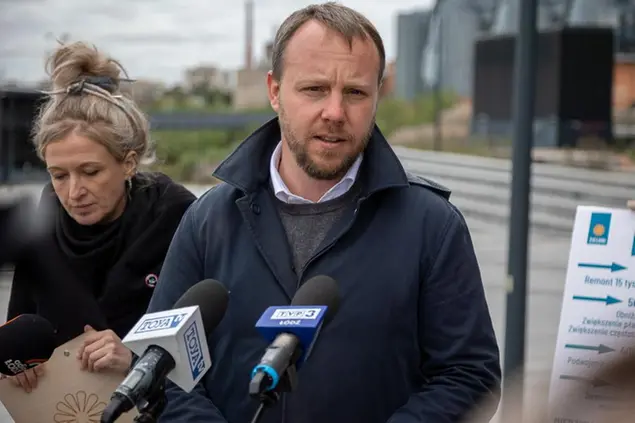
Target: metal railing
481,186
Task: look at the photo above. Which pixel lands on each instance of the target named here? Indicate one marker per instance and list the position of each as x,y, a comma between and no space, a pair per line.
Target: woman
93,259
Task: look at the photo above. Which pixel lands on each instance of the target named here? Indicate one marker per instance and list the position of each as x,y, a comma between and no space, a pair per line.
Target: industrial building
440,41
460,41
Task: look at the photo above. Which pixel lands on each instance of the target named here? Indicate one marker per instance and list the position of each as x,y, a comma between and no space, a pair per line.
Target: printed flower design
79,408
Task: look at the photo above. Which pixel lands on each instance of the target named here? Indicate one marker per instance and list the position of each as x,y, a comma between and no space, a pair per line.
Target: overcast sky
158,39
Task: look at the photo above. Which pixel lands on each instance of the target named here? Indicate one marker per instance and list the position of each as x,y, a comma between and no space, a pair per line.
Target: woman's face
88,180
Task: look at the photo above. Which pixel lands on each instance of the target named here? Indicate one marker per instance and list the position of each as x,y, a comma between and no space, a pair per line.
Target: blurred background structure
448,84
585,59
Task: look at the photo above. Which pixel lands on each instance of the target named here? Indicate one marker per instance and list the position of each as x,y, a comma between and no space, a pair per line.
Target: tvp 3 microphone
292,331
172,344
25,342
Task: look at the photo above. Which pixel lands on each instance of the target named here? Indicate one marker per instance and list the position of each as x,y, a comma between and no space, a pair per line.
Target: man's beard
300,151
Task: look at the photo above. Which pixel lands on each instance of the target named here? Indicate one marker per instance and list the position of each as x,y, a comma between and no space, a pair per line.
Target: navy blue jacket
413,339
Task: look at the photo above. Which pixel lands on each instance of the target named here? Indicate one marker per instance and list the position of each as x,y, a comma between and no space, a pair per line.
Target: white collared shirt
282,192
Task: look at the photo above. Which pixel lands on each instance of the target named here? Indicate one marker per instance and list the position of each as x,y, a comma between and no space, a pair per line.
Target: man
319,191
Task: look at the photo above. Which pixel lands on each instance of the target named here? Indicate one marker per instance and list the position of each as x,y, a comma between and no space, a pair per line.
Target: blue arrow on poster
608,300
601,349
613,267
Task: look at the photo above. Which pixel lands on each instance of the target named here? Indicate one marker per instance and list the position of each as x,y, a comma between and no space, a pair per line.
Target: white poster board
597,321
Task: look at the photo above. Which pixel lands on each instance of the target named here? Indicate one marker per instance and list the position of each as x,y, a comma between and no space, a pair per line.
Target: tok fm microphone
25,341
292,331
172,344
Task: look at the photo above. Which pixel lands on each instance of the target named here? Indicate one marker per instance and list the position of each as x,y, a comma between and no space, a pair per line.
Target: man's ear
273,91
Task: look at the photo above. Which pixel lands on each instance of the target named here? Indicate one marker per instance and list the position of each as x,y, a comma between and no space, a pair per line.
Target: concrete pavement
547,275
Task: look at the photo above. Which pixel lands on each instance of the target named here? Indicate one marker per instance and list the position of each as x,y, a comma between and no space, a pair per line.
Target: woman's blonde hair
86,99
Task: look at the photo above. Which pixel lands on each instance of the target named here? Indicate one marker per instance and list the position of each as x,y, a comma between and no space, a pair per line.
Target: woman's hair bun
73,62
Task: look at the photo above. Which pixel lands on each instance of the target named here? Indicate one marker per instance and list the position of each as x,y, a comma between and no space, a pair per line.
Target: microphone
292,331
172,344
25,341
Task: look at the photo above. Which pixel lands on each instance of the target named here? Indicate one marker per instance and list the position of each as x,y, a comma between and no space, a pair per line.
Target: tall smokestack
249,33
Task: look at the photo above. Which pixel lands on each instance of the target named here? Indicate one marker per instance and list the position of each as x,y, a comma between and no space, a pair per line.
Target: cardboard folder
65,393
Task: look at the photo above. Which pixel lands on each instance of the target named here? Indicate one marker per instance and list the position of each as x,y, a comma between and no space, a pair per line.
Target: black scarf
102,274
94,249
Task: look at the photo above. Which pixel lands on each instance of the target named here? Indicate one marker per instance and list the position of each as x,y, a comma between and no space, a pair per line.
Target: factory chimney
249,33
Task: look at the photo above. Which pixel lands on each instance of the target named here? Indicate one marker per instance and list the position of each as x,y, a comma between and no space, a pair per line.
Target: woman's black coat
102,276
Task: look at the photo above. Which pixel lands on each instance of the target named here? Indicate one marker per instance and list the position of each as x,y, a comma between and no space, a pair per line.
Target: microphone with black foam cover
25,341
293,331
172,344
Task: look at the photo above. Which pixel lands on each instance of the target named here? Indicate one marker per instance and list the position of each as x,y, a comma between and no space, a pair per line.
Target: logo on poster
599,229
80,407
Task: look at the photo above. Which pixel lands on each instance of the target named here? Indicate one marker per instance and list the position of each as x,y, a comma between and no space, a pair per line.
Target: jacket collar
247,167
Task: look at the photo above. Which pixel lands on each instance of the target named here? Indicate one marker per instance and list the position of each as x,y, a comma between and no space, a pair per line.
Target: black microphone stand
268,399
152,408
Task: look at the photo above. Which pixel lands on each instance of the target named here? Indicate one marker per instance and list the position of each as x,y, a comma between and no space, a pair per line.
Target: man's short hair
347,22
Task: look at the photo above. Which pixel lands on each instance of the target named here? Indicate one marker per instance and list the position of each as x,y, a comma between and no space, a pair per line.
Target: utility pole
438,100
523,112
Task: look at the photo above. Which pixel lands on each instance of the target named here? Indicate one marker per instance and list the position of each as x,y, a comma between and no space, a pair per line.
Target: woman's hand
104,350
28,379
631,204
